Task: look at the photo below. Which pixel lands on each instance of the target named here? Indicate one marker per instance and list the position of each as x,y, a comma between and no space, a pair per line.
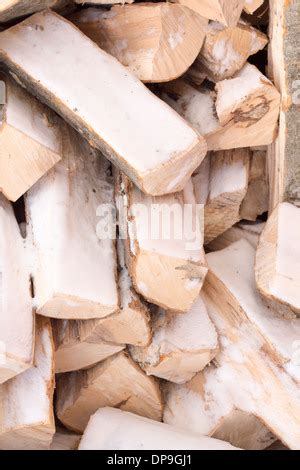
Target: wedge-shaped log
30,141
221,184
243,118
252,5
16,315
81,344
125,430
256,201
26,401
257,369
165,246
243,230
65,440
74,268
116,382
223,11
278,260
109,110
182,345
226,50
11,9
157,41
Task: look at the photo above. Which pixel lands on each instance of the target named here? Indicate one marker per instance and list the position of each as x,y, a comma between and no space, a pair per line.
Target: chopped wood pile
149,225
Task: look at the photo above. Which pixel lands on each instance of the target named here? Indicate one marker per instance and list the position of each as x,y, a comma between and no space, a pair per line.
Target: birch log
43,51
157,41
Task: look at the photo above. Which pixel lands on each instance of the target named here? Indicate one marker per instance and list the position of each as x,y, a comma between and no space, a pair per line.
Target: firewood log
65,440
116,382
278,260
74,270
157,149
102,2
16,315
30,141
125,430
165,246
181,346
248,231
226,50
257,370
157,41
252,5
256,201
223,11
11,9
221,184
26,418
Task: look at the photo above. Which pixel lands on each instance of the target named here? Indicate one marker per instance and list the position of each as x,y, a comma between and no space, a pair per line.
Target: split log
245,118
11,9
256,201
35,51
182,345
243,230
30,139
16,315
284,70
278,260
226,50
26,417
157,41
257,370
252,5
116,382
125,430
223,11
81,344
102,2
74,268
165,246
221,184
65,440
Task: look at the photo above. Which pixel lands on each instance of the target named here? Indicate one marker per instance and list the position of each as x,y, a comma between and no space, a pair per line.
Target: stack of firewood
115,120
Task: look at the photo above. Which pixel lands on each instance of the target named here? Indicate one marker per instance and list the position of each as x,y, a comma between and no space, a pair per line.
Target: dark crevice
20,214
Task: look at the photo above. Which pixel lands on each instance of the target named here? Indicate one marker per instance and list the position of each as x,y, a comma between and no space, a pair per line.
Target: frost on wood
126,431
226,50
26,417
116,382
157,149
278,260
181,346
165,246
257,369
157,41
11,9
256,201
30,140
224,11
221,183
16,315
74,269
244,114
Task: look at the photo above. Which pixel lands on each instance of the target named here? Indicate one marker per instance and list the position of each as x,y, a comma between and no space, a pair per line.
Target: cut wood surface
126,431
11,9
243,230
181,346
223,11
30,139
101,109
257,369
243,118
26,418
16,315
256,201
74,269
157,41
165,246
220,184
252,5
118,382
65,440
278,260
284,70
226,50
